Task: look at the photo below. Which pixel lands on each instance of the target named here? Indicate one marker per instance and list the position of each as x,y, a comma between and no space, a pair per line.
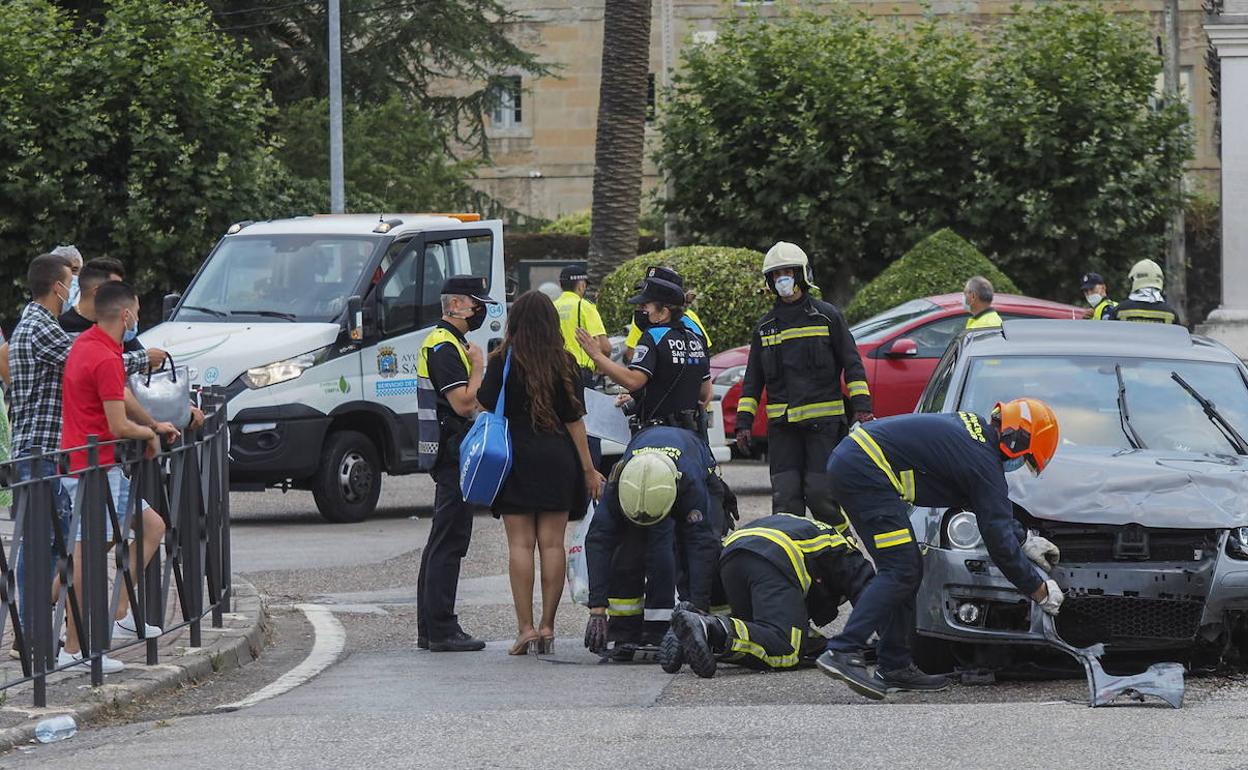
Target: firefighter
1095,293
779,574
977,300
666,492
798,352
1145,302
941,461
669,376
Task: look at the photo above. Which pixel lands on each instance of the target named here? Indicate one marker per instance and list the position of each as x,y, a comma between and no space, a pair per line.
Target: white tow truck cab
313,325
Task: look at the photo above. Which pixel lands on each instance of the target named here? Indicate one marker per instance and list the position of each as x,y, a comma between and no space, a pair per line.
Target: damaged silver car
1147,496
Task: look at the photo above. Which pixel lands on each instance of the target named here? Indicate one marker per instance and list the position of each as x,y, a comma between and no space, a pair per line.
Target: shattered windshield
278,278
1083,391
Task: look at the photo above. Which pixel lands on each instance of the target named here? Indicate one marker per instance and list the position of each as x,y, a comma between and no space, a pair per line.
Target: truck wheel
348,483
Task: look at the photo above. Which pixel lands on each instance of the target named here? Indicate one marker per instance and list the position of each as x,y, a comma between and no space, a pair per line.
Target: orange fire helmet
1028,430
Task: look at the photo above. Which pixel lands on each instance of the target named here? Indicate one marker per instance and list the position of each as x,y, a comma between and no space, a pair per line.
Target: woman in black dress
552,478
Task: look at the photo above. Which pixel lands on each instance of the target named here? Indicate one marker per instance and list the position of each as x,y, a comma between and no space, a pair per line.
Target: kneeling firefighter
954,460
665,494
779,574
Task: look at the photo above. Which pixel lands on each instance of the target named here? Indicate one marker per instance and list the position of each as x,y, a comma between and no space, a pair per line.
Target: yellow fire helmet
647,488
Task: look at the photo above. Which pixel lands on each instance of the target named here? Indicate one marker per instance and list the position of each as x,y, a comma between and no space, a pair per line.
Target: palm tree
621,135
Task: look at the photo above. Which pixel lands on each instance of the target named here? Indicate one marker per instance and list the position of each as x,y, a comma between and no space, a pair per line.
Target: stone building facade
542,142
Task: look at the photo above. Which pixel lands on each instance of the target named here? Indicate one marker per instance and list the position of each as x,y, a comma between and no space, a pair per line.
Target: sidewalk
235,644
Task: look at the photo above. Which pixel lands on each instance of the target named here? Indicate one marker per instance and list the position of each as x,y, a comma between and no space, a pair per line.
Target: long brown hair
534,336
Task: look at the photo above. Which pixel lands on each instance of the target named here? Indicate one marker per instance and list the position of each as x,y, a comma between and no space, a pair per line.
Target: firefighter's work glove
863,416
1042,553
1053,602
596,634
744,440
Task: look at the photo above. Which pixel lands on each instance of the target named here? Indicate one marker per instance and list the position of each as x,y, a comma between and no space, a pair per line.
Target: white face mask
785,285
1093,298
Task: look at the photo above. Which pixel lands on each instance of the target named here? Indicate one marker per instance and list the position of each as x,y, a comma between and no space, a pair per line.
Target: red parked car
899,348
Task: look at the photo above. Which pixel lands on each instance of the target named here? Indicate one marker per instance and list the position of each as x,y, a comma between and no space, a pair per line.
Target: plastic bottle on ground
56,728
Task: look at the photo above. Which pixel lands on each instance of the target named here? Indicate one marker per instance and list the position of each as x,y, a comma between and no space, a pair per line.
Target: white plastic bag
578,566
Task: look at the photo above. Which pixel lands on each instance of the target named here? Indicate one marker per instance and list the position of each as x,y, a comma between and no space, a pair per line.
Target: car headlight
282,371
730,376
1237,543
962,531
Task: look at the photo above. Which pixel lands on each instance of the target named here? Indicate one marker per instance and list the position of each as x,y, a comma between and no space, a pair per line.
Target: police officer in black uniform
779,574
449,372
798,353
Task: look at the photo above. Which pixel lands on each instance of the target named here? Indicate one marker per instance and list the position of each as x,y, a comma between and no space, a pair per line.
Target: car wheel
348,483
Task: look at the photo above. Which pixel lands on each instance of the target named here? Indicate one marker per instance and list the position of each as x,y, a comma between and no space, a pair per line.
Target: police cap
469,286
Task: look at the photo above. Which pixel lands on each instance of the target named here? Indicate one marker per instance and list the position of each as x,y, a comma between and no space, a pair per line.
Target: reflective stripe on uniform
1098,314
796,333
748,405
857,388
786,544
657,614
1151,316
776,410
742,645
903,482
816,410
721,609
618,608
896,537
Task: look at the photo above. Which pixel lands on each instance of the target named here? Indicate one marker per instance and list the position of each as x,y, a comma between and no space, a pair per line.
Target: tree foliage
938,264
731,295
857,137
140,134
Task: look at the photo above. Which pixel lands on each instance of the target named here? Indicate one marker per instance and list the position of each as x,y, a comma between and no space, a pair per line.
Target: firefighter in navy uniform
448,373
798,352
779,574
669,376
954,460
665,491
1146,303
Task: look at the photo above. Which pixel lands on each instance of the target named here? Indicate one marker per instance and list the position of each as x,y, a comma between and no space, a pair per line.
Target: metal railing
187,483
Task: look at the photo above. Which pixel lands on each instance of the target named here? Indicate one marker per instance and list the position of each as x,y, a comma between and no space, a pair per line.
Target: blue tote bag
485,453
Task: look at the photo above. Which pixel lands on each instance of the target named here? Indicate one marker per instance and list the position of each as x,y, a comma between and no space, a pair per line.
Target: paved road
384,704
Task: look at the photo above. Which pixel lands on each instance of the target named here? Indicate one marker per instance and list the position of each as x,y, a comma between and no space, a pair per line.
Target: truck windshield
1083,391
284,277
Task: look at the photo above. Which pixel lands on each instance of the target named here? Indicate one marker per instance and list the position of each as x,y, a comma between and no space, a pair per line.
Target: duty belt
689,419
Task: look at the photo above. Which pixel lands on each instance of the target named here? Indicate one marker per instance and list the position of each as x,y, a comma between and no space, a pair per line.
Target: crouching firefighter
666,494
954,460
779,574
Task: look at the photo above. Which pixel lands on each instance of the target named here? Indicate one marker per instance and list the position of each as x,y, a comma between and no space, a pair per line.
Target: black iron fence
187,484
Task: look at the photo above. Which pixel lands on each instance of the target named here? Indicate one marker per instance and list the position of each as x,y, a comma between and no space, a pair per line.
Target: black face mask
642,319
477,319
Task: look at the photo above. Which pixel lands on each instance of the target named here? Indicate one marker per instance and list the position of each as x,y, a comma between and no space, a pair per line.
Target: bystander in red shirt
94,373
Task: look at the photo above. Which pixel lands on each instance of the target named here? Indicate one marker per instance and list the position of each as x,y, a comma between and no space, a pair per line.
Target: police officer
1146,303
1095,293
942,461
666,492
977,300
576,312
799,351
669,376
448,373
779,573
690,318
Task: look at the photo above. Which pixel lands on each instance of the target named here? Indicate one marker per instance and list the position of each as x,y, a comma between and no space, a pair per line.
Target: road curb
234,645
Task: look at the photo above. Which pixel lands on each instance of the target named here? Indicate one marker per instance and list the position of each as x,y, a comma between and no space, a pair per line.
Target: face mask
966,304
1093,299
1013,463
641,319
131,332
73,292
785,285
476,319
65,304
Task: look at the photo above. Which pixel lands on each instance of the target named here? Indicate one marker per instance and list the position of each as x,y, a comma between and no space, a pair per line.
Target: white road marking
330,639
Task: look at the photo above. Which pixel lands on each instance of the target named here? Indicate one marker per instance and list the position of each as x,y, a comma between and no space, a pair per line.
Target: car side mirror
903,347
355,318
167,306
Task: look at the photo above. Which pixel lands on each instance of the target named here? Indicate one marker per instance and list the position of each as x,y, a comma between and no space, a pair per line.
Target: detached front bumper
1127,605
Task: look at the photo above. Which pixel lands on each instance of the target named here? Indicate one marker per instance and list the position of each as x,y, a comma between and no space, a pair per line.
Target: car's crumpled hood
1154,488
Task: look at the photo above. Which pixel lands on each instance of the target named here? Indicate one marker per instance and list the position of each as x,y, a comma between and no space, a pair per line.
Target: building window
650,98
505,112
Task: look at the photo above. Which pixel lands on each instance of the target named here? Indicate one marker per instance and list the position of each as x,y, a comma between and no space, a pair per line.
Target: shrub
578,223
938,264
728,282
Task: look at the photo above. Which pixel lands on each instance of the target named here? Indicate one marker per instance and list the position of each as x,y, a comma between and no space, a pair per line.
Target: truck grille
1128,620
1103,543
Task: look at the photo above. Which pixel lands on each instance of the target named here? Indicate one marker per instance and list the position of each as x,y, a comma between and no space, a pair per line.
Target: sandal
523,642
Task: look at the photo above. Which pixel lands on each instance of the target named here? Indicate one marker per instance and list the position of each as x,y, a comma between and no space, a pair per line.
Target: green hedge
938,264
729,284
